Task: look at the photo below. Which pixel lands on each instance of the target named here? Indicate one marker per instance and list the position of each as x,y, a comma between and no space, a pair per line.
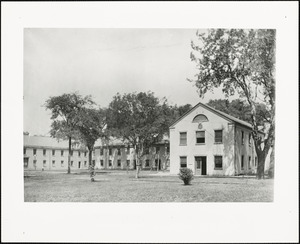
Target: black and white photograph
113,105
125,123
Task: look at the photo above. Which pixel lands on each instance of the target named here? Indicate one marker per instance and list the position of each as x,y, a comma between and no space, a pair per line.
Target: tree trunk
91,166
261,165
69,156
137,165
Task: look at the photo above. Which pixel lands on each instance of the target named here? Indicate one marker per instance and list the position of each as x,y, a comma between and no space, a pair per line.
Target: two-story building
211,142
46,153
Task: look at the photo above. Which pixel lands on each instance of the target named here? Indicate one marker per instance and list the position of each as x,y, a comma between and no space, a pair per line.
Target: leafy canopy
64,110
138,118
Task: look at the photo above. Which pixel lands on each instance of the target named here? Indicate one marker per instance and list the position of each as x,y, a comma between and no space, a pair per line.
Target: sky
103,62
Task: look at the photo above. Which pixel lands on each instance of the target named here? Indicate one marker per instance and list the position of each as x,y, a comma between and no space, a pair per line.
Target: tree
243,62
91,126
64,110
240,109
139,119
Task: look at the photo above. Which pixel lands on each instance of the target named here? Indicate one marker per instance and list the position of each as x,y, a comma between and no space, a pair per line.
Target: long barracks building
46,153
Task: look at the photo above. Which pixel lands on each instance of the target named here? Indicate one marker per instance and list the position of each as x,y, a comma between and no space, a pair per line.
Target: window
79,154
242,137
44,163
242,162
249,140
53,152
183,162
157,149
147,164
183,138
119,163
200,118
79,164
44,152
84,163
119,151
127,163
71,163
71,153
62,153
25,162
101,151
34,151
53,163
218,136
109,163
218,162
200,136
24,150
168,149
34,163
110,151
101,163
62,163
249,163
85,153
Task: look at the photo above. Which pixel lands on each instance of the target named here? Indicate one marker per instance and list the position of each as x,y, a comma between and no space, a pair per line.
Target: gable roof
48,142
219,113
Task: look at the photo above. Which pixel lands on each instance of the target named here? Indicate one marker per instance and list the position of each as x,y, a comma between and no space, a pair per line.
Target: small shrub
186,175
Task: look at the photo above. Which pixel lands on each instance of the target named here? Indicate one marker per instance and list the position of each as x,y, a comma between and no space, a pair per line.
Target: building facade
46,153
211,142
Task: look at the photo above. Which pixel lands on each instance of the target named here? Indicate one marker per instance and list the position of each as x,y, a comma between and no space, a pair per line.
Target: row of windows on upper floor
157,149
200,137
147,163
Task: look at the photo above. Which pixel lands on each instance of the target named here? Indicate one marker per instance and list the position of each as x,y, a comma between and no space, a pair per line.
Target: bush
186,175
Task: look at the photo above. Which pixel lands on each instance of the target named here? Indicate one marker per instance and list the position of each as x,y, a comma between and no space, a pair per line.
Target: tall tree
91,126
64,110
140,119
240,109
243,62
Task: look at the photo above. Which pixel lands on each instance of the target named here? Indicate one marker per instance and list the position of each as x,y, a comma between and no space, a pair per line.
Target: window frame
180,139
119,163
218,142
200,143
44,152
34,151
215,162
53,152
180,162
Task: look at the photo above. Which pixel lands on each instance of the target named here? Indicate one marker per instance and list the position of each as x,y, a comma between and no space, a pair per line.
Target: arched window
200,118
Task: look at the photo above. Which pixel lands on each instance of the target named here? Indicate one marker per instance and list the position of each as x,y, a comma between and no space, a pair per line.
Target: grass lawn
118,186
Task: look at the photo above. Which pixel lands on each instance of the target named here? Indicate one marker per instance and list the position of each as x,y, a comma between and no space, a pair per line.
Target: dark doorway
158,164
200,165
203,171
